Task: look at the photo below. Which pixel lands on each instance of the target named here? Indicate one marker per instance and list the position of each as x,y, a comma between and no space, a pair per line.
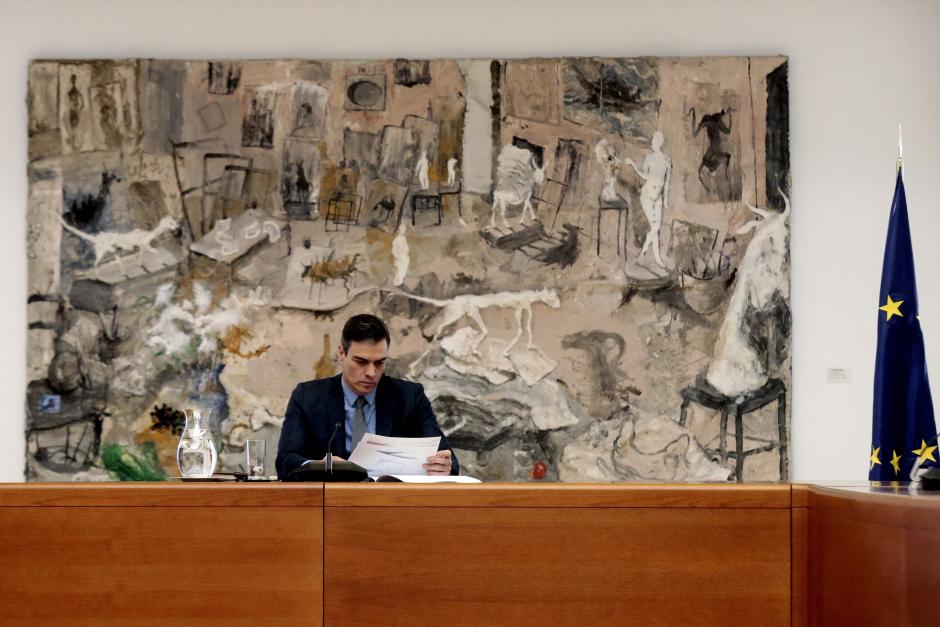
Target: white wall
856,69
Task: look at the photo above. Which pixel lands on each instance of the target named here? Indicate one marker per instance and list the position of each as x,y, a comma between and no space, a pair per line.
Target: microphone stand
326,470
329,449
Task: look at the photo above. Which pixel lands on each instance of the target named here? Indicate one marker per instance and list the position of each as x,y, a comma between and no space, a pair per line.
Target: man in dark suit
358,401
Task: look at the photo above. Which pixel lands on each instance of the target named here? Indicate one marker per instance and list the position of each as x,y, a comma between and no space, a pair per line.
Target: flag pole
900,149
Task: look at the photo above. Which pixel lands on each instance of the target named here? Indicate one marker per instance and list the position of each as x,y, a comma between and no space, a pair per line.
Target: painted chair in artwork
703,394
622,208
426,201
550,197
455,191
342,212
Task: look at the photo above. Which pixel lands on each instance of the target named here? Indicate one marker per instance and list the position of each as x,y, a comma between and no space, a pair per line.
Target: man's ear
340,352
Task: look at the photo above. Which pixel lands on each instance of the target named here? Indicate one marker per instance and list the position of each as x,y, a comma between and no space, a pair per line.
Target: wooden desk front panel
518,565
874,557
195,556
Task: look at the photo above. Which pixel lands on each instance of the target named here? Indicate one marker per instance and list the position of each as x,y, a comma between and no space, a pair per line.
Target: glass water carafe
196,455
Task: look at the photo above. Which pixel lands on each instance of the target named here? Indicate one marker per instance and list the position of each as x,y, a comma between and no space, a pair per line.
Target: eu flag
903,427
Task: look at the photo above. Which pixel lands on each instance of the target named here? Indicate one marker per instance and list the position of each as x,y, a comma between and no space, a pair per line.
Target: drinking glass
255,451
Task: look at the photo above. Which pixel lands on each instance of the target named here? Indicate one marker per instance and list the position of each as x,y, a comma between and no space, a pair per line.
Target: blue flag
903,427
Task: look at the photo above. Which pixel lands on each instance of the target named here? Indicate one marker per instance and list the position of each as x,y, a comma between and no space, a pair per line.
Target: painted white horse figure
516,177
762,279
471,305
110,242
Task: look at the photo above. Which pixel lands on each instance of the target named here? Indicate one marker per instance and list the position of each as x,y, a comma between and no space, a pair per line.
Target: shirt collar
351,395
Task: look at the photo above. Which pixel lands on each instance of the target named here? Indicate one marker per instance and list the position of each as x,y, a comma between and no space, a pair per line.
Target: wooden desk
172,554
872,554
490,554
557,555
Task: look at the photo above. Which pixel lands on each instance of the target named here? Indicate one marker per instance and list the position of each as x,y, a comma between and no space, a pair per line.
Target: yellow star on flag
874,457
895,462
892,308
925,452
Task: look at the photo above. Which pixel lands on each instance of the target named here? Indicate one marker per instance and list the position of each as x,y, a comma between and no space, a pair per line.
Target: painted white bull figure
517,176
736,367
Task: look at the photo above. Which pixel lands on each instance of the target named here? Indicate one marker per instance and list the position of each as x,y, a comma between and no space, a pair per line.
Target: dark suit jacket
401,410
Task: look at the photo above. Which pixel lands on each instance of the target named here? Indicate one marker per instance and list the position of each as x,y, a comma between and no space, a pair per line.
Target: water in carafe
196,454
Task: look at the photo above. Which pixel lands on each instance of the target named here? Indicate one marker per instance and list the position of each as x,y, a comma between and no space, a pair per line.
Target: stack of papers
383,455
400,459
428,478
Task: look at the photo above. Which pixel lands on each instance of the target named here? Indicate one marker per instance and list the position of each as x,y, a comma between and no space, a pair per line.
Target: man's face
363,365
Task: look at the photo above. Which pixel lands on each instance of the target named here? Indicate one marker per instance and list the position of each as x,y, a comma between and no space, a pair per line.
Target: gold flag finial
900,149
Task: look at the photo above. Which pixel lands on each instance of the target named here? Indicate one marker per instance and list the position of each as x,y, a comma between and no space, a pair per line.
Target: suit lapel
386,407
336,412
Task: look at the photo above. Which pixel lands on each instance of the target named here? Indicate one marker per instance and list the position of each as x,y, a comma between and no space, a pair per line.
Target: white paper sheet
435,479
383,455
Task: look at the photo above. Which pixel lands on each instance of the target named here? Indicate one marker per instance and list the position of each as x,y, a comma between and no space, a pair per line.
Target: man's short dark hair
364,328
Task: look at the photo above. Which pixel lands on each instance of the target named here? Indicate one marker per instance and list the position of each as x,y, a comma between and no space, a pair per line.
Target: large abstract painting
585,261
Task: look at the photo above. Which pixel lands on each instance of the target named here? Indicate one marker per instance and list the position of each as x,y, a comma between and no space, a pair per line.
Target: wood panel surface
166,494
413,565
799,554
491,554
116,562
874,556
593,495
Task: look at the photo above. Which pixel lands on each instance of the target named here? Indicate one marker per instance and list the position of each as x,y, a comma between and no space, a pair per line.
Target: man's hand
438,464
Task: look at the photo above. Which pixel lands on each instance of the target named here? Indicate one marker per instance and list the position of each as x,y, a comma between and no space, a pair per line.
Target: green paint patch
124,465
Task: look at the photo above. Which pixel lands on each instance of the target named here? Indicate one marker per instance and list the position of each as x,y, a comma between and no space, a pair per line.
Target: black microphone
329,447
326,470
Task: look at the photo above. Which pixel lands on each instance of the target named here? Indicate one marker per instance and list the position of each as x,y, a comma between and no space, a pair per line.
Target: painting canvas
584,261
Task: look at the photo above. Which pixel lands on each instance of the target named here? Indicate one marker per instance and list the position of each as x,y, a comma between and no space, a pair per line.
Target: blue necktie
359,427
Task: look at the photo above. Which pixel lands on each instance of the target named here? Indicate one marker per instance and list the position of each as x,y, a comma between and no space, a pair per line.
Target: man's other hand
438,464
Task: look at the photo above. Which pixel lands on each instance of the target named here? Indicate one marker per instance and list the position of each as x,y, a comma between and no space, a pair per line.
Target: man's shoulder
317,386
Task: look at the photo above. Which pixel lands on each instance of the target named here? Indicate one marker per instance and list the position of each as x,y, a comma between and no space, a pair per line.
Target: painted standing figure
76,107
451,171
421,171
714,125
656,172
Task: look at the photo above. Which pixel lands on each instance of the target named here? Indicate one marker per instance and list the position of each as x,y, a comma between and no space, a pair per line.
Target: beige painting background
178,258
